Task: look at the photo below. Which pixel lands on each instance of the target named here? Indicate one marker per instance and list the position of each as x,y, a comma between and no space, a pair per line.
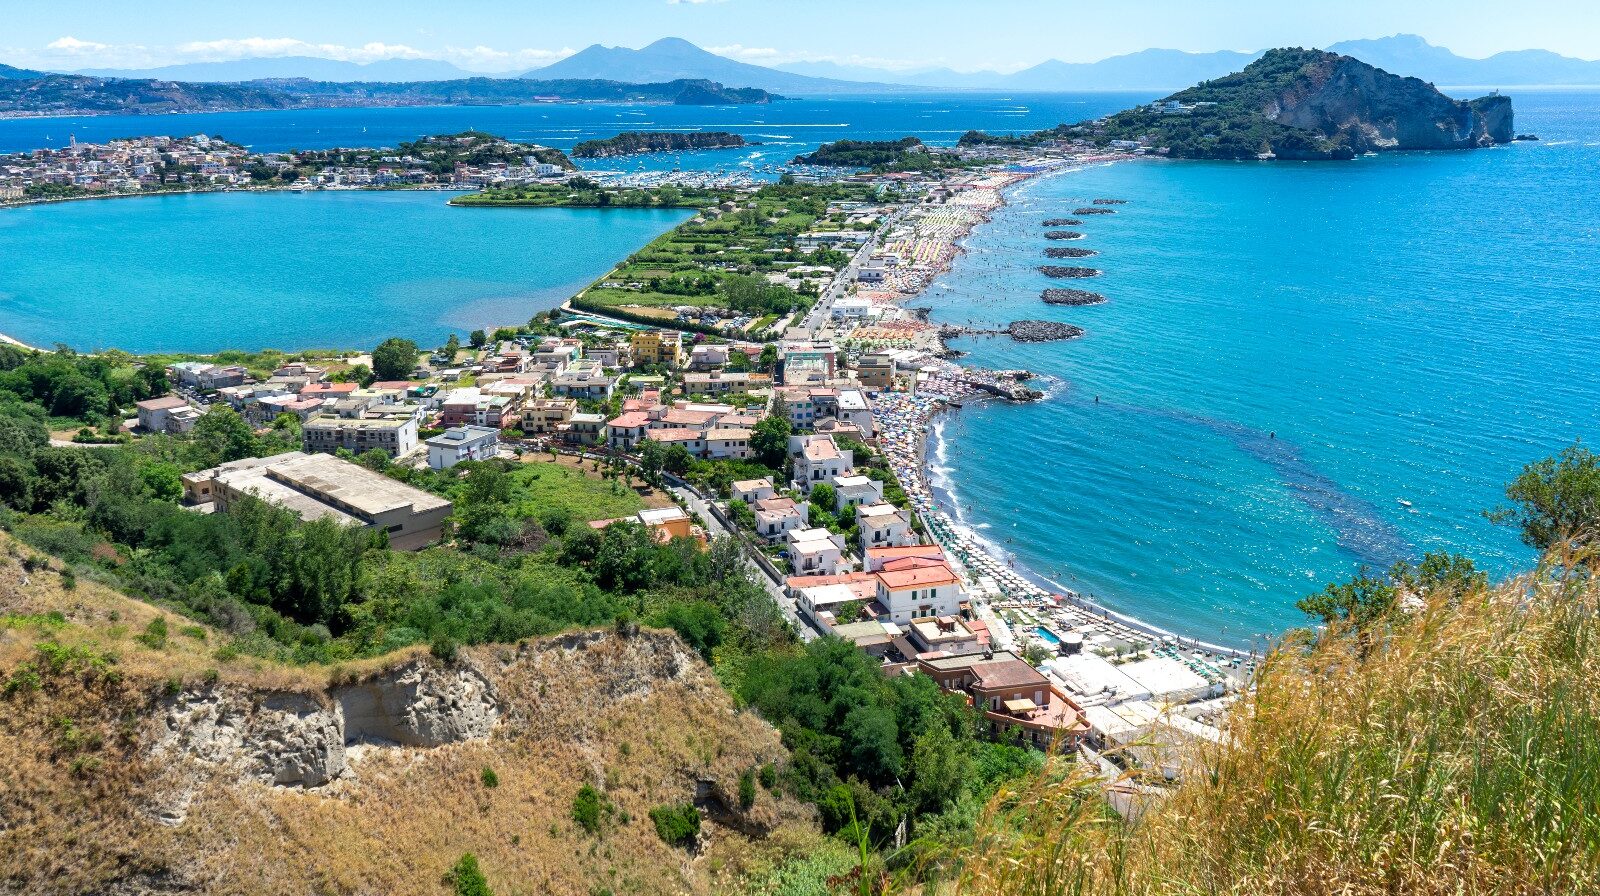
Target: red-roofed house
908,594
625,431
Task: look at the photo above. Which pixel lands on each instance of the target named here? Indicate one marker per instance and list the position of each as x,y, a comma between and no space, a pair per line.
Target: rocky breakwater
1063,235
1007,384
1042,331
1069,252
1063,222
1062,272
1094,210
1109,202
1075,297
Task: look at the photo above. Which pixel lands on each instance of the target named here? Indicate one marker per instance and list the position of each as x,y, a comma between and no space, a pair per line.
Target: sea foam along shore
907,429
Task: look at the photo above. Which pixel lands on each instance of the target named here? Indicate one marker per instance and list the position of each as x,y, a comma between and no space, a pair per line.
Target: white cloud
753,54
71,44
71,53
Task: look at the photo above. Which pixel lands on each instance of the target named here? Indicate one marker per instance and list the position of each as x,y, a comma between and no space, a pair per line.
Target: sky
514,35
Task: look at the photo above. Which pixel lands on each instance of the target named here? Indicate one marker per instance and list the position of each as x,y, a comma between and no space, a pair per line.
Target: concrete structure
818,459
777,517
875,371
727,444
657,347
883,526
816,552
906,594
750,491
471,407
624,432
460,443
393,435
545,415
319,486
851,491
168,414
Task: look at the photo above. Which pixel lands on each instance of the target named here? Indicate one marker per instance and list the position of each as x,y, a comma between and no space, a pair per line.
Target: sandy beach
907,435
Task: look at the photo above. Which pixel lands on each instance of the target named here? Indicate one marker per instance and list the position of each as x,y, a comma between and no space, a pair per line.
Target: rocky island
1067,273
1073,297
639,142
1294,104
1069,252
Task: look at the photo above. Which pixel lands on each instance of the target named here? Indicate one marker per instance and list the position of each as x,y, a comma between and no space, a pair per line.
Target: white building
460,443
818,459
749,491
777,517
931,590
883,526
816,552
851,491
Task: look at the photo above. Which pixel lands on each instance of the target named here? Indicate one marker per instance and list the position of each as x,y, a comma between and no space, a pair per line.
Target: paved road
716,530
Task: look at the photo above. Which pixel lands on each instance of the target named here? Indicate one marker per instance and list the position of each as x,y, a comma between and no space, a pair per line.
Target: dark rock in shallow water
1069,252
1111,202
1063,235
1042,331
1520,138
1062,222
1054,270
1071,297
1094,211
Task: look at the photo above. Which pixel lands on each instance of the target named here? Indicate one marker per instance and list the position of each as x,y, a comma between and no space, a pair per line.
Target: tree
769,358
16,484
465,878
770,441
478,338
823,498
1439,573
221,436
1355,604
676,459
651,460
394,359
1556,503
451,346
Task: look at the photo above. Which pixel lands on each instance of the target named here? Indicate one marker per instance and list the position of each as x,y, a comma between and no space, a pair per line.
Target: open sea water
1289,350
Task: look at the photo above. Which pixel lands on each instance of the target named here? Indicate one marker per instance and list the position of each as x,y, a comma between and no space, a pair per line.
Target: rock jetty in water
1063,235
1069,252
1062,222
1110,202
1094,211
1042,331
1071,297
1066,273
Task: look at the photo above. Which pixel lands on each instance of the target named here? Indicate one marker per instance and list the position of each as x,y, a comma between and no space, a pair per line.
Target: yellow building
657,347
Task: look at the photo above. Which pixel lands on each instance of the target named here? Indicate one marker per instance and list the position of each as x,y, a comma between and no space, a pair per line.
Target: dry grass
1458,755
642,722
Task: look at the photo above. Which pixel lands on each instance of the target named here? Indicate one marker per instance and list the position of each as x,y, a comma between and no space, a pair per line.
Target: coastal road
716,530
822,311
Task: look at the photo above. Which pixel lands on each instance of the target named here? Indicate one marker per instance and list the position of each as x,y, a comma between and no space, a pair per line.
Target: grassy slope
1461,755
582,494
77,777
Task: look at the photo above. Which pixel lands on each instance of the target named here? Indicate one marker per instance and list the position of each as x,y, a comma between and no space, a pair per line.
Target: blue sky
516,34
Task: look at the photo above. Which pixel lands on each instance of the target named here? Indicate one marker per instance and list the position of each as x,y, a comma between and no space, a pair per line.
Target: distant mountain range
671,59
309,67
1402,54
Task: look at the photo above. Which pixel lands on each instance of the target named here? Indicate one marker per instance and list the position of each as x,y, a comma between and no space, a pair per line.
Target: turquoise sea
1289,352
291,270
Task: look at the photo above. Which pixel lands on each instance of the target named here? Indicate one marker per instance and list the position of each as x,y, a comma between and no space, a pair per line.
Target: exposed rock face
1374,110
299,740
419,705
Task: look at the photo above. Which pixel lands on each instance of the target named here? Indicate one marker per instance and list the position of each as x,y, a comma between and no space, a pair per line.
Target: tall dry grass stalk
1455,751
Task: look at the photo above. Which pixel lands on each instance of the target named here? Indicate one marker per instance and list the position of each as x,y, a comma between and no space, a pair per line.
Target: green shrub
155,634
769,776
747,789
465,878
588,809
488,777
678,825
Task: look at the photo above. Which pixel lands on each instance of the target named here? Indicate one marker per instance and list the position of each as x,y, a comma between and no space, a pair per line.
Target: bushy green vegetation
678,825
465,878
719,259
581,192
589,809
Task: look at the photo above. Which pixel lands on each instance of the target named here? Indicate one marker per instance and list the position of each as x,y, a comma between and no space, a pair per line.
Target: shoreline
143,194
1006,583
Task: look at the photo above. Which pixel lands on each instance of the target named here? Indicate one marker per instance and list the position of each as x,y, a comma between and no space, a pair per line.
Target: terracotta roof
925,577
675,435
931,551
630,420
